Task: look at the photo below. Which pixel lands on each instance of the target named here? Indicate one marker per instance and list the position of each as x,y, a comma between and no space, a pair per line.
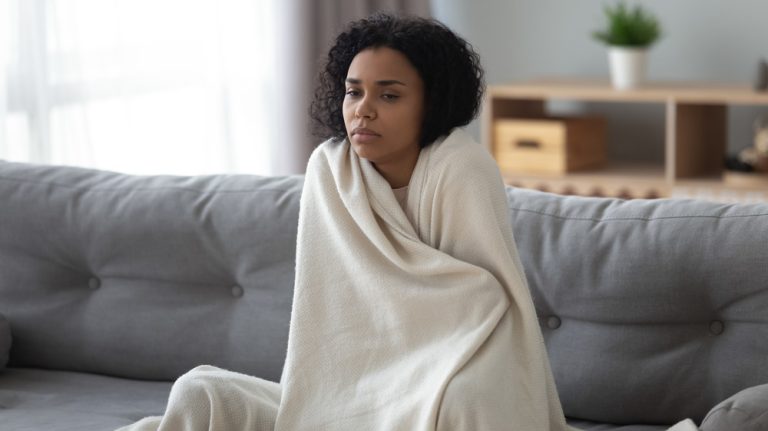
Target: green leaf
632,27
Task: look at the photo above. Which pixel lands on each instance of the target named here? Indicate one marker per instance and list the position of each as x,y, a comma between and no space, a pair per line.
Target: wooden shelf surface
629,180
655,91
615,171
639,180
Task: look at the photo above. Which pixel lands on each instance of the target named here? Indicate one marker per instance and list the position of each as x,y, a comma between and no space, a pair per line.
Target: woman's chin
363,152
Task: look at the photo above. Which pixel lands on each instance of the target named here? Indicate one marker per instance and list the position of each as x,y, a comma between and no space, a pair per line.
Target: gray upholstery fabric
595,426
5,340
652,311
745,411
146,277
34,400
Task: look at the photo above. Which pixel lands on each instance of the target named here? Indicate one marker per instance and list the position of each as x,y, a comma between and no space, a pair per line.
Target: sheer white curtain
182,87
138,86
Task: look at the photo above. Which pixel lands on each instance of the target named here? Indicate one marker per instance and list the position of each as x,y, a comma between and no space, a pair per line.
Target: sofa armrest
5,341
745,411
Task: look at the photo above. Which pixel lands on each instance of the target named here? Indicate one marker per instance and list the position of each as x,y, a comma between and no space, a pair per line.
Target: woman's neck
398,173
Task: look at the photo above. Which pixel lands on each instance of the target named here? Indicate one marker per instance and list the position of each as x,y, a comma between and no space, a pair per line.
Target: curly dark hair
449,67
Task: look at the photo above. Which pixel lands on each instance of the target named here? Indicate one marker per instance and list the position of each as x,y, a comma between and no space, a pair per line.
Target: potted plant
629,34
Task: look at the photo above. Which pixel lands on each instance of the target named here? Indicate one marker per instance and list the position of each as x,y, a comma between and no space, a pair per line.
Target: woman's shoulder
326,151
458,154
328,146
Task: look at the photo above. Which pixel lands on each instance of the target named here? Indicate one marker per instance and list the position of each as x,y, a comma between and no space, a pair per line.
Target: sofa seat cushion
596,426
33,399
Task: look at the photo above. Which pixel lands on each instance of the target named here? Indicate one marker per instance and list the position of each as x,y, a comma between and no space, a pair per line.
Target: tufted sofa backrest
652,310
146,276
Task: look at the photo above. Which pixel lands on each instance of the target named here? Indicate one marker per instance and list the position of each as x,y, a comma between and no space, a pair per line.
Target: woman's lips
364,136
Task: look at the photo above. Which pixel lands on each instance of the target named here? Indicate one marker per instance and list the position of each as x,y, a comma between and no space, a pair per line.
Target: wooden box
552,145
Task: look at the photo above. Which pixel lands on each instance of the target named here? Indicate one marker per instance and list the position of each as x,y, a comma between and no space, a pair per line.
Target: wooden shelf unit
696,134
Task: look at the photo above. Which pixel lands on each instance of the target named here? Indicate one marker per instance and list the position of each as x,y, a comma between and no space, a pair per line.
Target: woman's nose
365,110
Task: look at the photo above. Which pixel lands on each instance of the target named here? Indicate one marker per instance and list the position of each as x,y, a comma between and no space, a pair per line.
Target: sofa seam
141,189
636,218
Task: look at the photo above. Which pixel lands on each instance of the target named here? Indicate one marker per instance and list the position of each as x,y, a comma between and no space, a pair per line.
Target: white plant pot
628,66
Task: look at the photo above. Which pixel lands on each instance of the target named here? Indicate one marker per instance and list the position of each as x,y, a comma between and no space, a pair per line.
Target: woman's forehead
382,65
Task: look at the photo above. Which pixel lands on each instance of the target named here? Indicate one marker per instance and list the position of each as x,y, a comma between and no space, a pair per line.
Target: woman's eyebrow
383,82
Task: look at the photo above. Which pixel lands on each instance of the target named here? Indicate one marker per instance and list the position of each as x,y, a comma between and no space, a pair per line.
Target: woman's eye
352,92
390,96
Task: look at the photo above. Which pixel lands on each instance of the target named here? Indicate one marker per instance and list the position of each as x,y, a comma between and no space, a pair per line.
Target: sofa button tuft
237,291
553,322
94,283
716,327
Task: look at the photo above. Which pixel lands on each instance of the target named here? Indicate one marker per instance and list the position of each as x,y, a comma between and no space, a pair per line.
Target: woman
411,310
417,315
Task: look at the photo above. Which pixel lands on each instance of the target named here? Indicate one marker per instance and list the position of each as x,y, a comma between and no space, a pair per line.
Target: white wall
704,40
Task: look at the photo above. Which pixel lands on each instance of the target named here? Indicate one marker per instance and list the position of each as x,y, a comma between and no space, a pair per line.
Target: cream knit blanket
414,321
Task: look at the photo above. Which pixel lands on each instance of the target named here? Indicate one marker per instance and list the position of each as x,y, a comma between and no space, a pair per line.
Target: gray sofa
114,285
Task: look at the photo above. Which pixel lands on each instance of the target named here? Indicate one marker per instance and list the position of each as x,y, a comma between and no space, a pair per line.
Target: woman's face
383,106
